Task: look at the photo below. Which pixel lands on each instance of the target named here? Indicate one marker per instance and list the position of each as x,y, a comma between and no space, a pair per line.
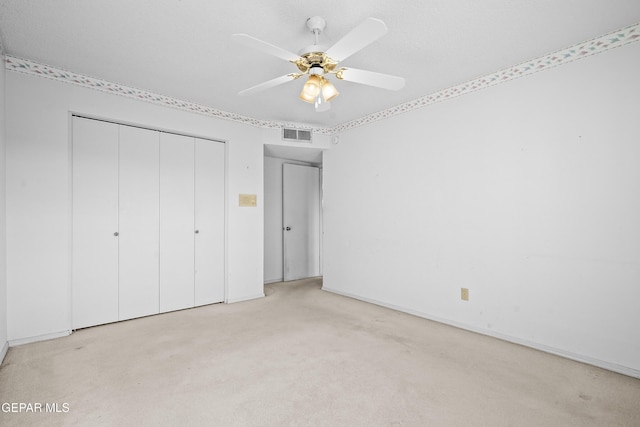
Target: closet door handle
197,231
116,234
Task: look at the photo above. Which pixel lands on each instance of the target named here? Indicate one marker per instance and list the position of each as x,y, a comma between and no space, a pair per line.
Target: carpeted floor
302,356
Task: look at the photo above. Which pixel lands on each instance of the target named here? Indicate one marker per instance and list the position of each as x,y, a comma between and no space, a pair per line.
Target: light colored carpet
302,356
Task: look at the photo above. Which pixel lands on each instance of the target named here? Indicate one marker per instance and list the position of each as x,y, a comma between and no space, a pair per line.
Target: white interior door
209,222
139,222
95,223
301,221
176,222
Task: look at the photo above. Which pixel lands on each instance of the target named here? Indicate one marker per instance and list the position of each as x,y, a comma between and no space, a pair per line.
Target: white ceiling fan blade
269,84
370,78
364,34
265,47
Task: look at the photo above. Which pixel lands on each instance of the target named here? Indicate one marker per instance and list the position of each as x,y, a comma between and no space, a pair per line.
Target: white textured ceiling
183,48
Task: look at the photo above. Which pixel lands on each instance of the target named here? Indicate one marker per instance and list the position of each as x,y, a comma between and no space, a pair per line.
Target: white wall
3,267
38,195
527,193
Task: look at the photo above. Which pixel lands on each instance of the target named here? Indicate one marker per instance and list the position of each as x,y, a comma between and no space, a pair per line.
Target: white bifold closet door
177,231
139,257
148,222
95,223
209,222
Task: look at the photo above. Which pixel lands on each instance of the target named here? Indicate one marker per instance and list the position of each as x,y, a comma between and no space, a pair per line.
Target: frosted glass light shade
329,91
311,89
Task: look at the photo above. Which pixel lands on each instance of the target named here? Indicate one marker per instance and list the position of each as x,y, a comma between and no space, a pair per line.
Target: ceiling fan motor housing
314,60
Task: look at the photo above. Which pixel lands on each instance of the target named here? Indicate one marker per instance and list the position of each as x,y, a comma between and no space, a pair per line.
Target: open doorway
276,259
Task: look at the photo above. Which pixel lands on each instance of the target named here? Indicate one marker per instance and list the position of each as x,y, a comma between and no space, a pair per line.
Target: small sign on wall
248,200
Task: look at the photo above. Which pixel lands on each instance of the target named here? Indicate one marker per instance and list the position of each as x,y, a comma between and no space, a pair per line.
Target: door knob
116,234
197,231
288,228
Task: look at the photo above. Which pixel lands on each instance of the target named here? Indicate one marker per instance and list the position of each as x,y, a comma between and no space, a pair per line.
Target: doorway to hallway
297,251
300,221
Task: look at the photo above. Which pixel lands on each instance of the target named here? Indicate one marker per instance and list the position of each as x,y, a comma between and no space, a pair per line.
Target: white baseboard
20,341
3,352
547,349
266,282
245,298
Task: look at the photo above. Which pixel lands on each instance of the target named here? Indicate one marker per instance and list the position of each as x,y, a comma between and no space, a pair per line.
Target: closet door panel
176,222
209,221
95,220
139,222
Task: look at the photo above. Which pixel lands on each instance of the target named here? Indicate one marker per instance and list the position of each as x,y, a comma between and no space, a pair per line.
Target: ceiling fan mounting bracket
316,24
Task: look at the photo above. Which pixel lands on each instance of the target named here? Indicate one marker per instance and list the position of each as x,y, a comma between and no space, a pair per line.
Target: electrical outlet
464,294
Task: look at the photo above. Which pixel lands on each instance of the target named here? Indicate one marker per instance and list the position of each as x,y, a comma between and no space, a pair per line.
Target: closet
148,222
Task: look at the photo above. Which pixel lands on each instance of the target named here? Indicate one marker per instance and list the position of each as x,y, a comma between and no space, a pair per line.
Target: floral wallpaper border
33,68
591,47
594,46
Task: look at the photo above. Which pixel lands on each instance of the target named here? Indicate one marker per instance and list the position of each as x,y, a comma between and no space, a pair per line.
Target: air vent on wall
299,135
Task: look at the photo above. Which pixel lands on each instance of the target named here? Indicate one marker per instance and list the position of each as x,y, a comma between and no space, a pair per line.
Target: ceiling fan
319,63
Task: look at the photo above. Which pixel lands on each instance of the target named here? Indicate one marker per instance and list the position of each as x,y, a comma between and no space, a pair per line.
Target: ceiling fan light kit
317,62
318,90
